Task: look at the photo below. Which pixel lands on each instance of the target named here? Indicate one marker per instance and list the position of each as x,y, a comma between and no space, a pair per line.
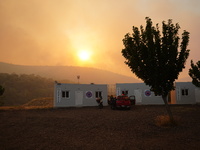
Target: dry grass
39,103
164,120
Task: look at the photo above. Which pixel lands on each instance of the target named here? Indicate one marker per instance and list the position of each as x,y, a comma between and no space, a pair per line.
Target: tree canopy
156,59
1,90
194,73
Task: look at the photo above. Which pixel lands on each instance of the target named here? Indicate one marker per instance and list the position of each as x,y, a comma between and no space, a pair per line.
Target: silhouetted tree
154,59
1,93
1,90
194,73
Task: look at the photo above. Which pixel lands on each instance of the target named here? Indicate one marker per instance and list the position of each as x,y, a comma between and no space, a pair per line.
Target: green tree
1,90
156,59
1,93
194,73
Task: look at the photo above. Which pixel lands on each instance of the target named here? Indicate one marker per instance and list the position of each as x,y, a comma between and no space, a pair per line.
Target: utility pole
78,77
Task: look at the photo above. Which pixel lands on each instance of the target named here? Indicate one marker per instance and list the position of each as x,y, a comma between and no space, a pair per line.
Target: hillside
87,75
20,89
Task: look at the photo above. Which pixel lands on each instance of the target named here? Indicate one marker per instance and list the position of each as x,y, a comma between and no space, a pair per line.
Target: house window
125,93
184,92
65,94
98,94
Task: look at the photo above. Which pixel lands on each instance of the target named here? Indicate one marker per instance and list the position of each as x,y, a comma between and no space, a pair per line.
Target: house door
138,96
78,97
197,95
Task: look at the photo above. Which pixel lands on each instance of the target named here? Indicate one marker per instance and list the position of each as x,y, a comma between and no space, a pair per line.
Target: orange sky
51,32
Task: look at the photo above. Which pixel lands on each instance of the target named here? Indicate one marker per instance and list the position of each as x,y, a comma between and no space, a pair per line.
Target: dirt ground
93,128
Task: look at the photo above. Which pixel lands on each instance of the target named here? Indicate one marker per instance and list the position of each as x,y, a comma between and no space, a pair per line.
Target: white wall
185,93
141,91
197,95
79,94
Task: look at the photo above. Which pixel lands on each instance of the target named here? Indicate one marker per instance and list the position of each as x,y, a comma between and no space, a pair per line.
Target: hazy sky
52,32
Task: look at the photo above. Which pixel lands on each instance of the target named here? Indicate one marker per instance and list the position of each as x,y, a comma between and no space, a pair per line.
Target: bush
164,120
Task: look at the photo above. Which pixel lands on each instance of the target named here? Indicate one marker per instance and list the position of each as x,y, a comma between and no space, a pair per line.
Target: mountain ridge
87,75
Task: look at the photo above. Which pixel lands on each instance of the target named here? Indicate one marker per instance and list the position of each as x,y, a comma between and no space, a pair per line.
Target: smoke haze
51,32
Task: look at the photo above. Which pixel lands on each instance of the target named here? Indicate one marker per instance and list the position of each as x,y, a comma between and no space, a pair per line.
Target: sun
84,55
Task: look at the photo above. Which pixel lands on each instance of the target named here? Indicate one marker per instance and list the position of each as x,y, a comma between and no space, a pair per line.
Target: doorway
138,96
78,97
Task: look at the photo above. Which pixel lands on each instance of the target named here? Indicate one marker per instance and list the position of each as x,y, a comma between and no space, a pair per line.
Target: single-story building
184,93
75,95
141,91
187,93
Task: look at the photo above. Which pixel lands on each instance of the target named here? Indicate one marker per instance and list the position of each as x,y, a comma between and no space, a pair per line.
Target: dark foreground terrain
92,128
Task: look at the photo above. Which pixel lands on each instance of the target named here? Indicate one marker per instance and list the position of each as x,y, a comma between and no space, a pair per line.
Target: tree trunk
168,109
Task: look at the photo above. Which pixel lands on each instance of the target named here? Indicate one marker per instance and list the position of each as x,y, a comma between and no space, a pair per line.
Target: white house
187,93
184,93
141,91
73,95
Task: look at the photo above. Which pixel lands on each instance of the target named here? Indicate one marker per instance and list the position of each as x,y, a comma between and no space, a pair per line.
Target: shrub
164,120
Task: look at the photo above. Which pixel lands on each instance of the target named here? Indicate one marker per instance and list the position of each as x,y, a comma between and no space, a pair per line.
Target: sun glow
84,55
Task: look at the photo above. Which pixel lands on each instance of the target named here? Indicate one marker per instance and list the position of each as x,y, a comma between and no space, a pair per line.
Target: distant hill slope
87,75
45,102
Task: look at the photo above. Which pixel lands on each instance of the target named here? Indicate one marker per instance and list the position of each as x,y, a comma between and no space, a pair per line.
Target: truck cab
121,101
